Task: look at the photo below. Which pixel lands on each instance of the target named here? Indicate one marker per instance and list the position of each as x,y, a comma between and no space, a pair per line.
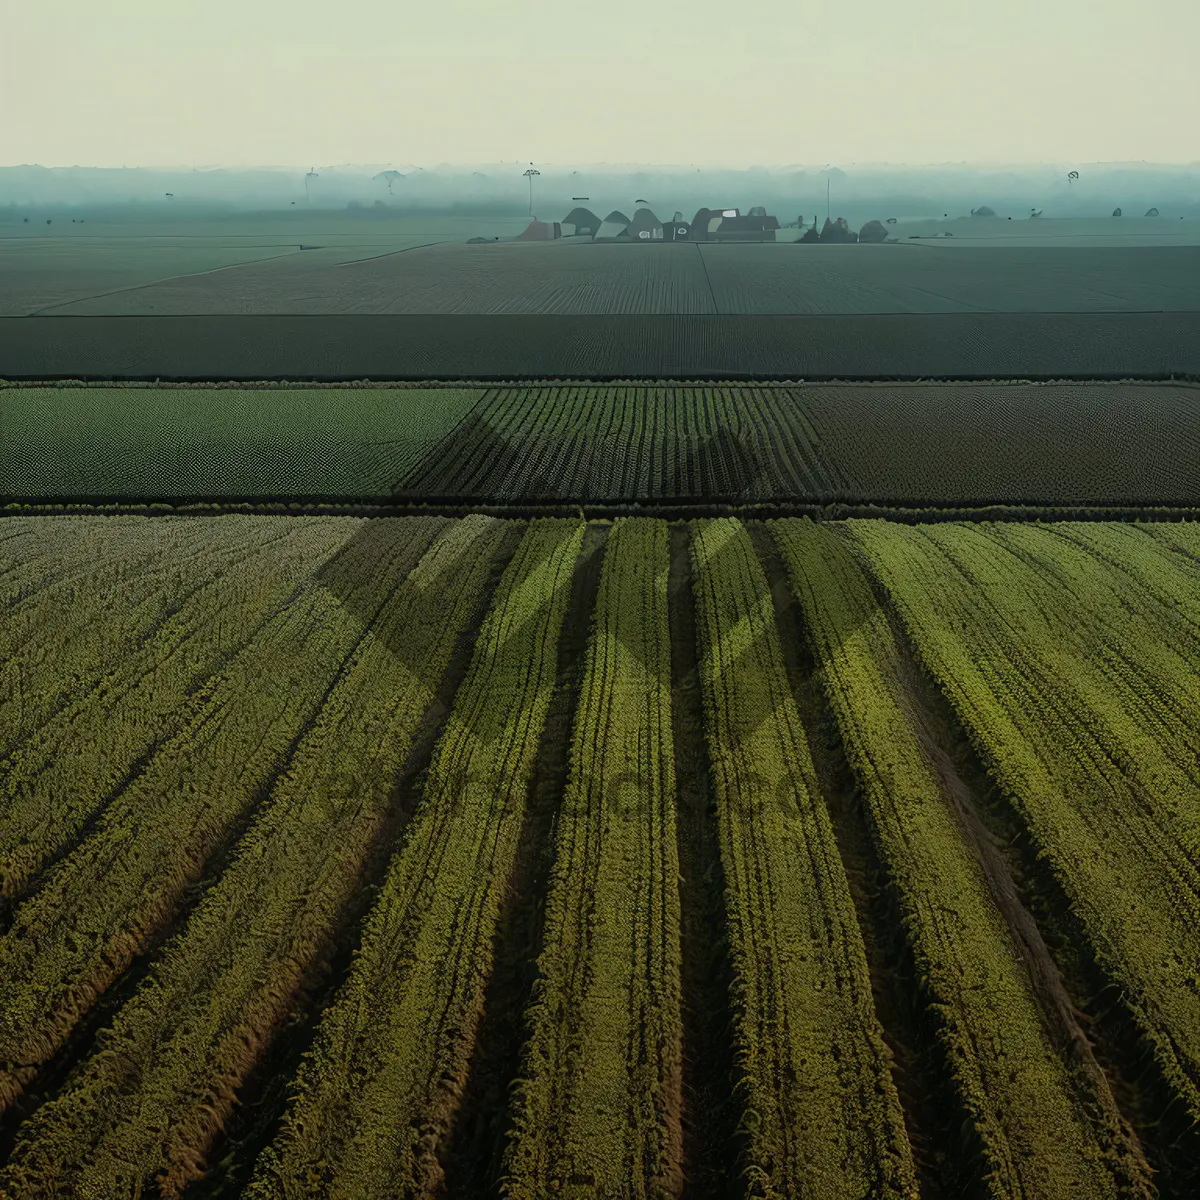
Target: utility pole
529,175
827,197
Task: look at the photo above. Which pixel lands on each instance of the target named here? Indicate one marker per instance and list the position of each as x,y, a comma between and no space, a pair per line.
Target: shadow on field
479,461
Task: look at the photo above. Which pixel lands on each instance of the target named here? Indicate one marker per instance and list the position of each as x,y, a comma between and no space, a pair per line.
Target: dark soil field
348,347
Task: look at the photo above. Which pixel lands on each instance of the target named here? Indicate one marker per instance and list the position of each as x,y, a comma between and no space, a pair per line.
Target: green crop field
437,856
934,444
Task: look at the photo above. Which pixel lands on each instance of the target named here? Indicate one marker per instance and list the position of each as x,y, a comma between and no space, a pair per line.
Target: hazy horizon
134,83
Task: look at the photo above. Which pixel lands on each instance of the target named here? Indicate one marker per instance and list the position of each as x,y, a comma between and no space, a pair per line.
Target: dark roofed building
613,226
540,231
755,226
580,222
645,227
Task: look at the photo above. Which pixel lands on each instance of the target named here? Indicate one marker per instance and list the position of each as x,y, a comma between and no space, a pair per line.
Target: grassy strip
822,1114
123,884
598,1111
375,1098
59,651
57,780
1044,1113
141,1113
1073,779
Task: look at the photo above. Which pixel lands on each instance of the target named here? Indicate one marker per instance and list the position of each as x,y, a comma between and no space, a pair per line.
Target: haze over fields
500,188
140,83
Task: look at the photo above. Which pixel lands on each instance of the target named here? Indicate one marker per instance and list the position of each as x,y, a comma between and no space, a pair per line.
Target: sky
244,83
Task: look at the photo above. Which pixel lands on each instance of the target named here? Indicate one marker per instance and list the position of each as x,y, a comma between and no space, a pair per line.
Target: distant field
907,444
47,267
580,277
482,857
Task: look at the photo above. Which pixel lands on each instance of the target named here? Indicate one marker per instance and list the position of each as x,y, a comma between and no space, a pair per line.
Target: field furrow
144,1109
374,1100
56,781
822,1114
108,900
1047,1122
598,1112
1113,847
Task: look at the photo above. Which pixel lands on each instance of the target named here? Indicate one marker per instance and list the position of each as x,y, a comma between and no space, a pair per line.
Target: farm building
677,229
541,231
729,225
615,225
580,222
645,227
755,226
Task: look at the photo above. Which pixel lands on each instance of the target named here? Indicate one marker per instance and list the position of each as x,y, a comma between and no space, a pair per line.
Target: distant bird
1116,212
891,220
1152,212
641,202
1035,212
171,194
1071,177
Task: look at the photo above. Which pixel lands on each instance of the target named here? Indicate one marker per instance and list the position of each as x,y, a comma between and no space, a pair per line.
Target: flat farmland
580,277
346,857
44,267
1064,444
345,347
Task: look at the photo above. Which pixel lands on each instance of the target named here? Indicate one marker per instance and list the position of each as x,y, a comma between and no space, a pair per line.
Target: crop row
1109,809
59,652
616,443
123,884
599,1106
811,1055
145,1107
63,774
318,735
373,1100
1043,1112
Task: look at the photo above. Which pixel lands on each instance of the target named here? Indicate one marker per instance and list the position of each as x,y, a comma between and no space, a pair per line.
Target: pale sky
712,82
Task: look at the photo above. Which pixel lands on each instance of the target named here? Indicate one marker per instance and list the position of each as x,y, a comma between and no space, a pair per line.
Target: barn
707,221
580,222
540,231
677,229
614,226
645,227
